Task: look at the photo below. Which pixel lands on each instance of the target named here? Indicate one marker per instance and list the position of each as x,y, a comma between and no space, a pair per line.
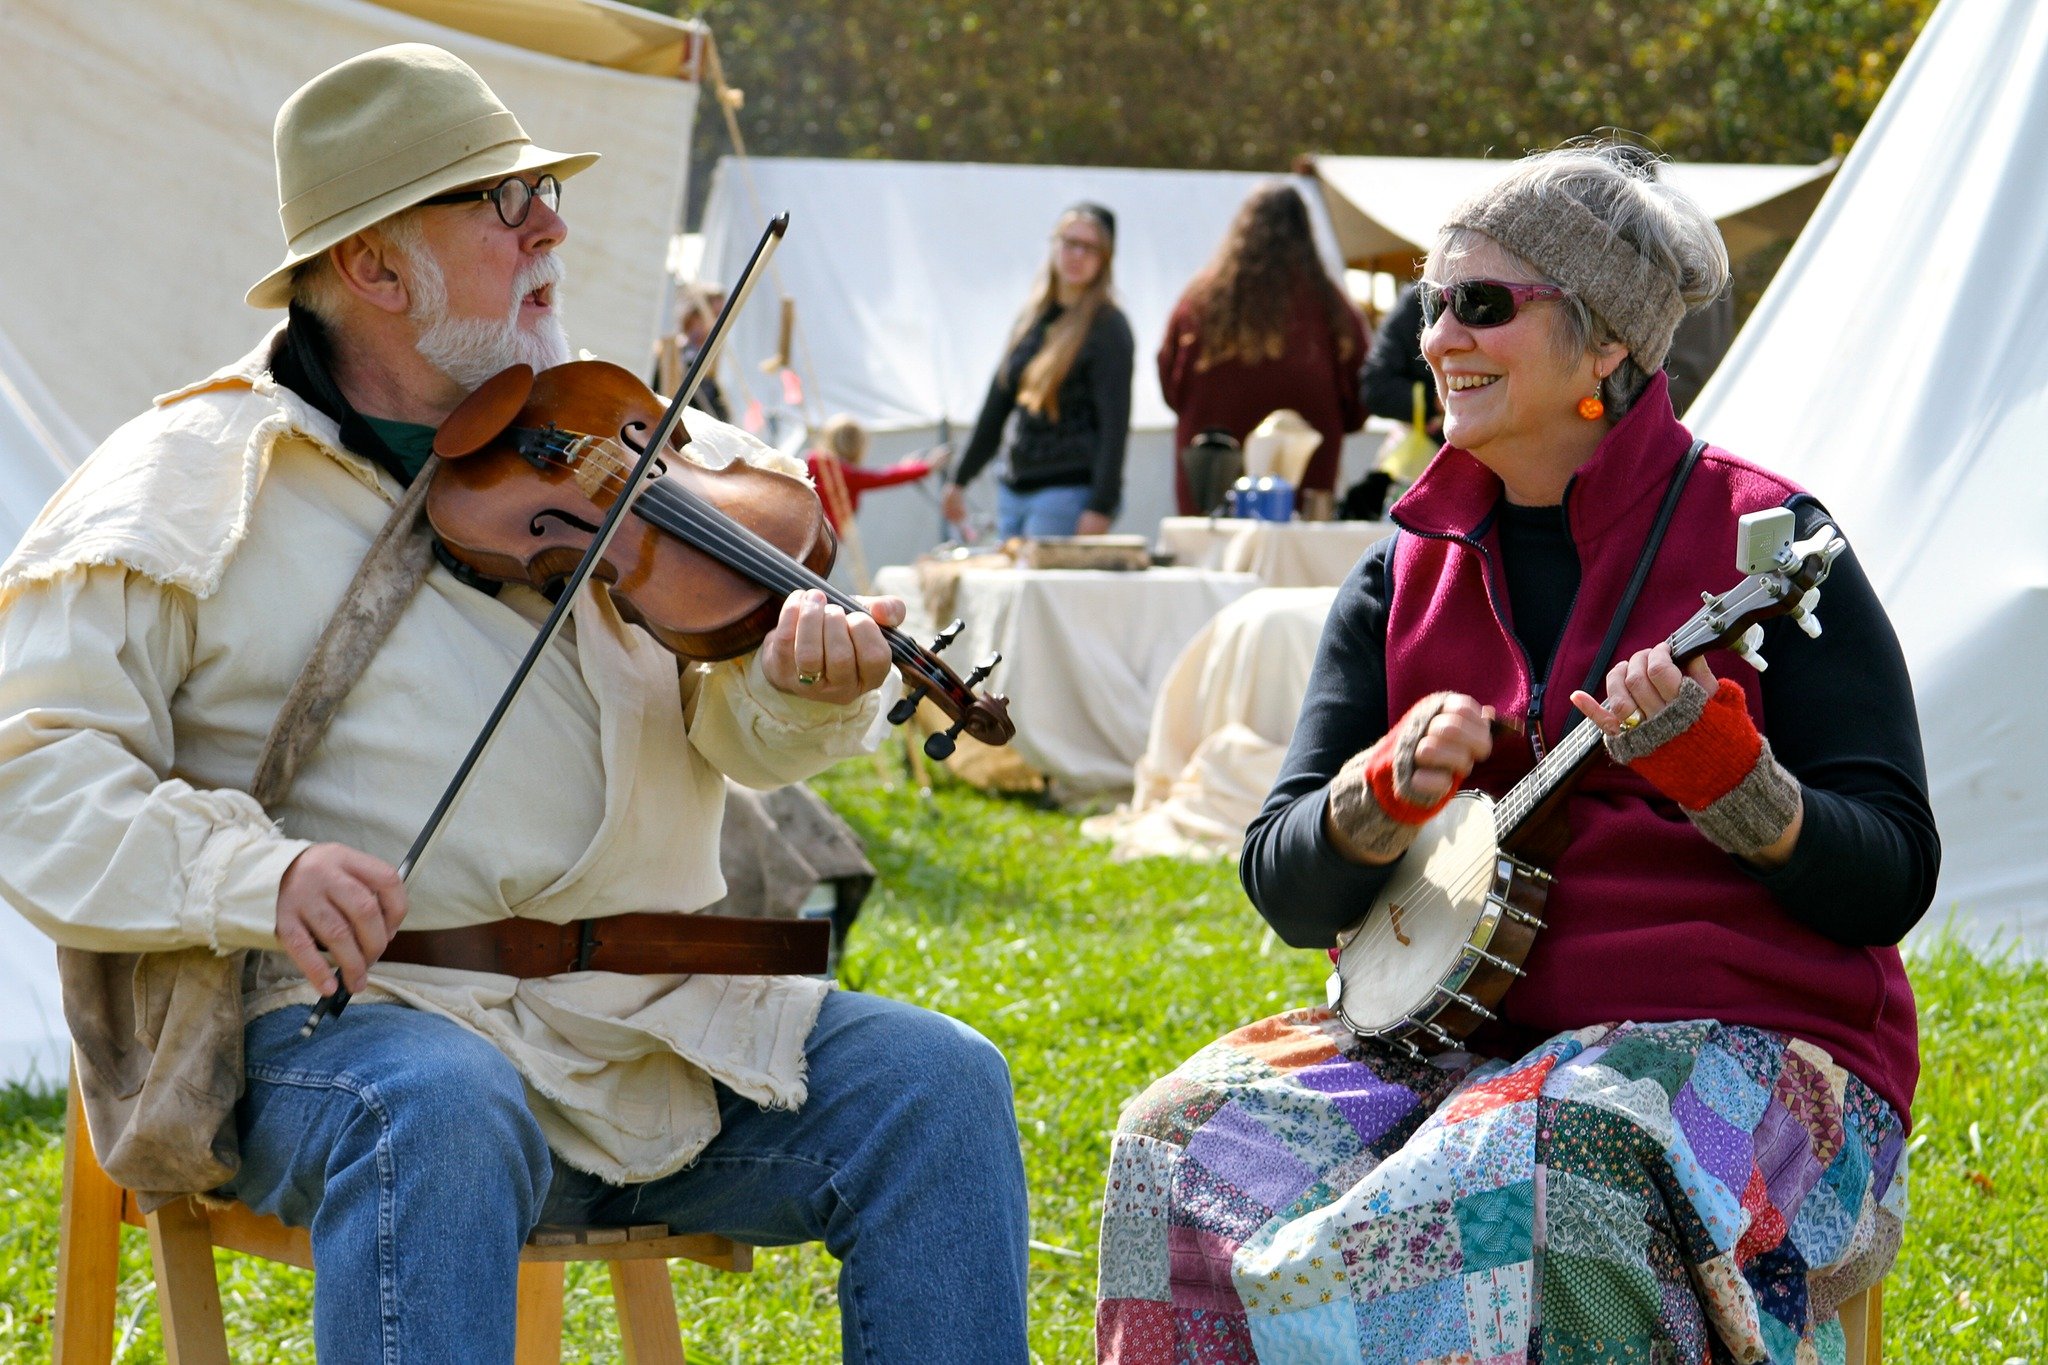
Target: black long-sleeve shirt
1394,365
1085,443
1841,718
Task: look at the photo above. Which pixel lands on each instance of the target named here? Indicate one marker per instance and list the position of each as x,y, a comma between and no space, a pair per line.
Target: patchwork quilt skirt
1637,1192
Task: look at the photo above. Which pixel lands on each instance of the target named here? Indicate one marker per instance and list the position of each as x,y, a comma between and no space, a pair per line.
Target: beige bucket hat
378,134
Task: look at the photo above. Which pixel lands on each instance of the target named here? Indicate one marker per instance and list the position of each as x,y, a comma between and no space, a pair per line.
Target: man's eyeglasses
512,197
1480,303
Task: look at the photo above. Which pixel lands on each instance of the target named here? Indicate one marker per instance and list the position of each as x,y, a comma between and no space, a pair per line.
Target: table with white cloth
1283,554
1084,653
1221,727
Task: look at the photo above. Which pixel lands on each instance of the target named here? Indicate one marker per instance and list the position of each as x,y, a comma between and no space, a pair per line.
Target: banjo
1448,934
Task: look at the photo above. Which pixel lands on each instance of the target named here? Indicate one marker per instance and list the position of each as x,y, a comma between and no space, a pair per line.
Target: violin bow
332,1004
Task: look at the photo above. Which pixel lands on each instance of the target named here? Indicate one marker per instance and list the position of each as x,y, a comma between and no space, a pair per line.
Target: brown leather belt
636,944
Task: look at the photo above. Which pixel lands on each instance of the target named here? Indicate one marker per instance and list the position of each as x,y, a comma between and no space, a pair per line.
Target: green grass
1094,978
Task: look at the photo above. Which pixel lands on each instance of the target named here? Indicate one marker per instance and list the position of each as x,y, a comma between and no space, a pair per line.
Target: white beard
471,350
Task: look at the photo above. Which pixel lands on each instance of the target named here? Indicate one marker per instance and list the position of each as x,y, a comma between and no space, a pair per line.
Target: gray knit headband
1562,238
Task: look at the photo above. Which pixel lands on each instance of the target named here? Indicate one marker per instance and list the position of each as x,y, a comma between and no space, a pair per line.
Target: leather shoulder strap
389,575
1597,674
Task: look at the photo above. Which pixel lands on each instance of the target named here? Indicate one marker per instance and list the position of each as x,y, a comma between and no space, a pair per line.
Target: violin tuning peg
906,705
982,670
947,636
940,747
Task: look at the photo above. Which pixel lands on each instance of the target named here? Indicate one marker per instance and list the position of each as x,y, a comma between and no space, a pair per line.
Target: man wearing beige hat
202,818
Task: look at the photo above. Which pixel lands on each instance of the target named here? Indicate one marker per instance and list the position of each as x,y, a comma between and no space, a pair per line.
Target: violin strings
742,549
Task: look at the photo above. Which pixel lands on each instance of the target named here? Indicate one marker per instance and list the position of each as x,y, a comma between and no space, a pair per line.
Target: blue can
1243,498
1273,498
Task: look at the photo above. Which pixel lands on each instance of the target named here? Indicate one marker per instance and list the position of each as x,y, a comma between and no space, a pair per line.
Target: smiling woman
1715,1000
1066,381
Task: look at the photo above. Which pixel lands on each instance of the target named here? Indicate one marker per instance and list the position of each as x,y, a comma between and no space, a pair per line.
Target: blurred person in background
1262,328
840,478
1066,381
1387,387
700,305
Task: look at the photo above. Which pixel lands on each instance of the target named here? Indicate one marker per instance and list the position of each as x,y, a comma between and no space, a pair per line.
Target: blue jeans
403,1142
1052,511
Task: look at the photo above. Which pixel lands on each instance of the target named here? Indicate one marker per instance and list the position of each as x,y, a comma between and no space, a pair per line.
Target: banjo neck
1519,813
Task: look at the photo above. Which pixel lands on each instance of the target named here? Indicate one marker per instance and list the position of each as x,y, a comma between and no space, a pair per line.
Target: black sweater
1395,365
1863,870
1085,443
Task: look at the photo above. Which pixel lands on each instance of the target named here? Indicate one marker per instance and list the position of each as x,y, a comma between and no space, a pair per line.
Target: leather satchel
157,1037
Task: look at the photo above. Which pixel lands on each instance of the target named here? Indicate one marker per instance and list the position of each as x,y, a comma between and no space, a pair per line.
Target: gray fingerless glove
1363,824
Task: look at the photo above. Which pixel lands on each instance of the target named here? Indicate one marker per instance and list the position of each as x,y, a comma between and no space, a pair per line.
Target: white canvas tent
907,275
1898,367
143,204
39,445
1386,209
144,195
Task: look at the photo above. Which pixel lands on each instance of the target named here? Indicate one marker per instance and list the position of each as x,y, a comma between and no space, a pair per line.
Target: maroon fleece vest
1648,921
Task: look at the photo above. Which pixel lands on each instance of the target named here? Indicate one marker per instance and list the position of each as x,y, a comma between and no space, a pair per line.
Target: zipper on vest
1486,576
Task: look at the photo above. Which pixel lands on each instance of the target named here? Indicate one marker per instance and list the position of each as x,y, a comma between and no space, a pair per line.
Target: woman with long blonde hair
1066,380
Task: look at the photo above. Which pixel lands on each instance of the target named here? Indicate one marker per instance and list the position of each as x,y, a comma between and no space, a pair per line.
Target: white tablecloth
1283,554
1221,727
1085,653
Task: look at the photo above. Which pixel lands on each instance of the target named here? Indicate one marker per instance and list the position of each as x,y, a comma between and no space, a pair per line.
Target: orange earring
1591,408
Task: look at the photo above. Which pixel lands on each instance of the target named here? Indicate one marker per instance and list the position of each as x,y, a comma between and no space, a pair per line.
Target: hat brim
512,158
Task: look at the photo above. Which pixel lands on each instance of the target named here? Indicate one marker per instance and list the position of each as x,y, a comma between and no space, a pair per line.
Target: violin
702,560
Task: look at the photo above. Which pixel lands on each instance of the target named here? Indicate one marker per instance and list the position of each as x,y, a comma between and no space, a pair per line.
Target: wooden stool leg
1863,1327
649,1333
539,1336
88,1249
187,1294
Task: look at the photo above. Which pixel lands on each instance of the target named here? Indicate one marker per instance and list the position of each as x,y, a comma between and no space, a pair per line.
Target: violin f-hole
537,529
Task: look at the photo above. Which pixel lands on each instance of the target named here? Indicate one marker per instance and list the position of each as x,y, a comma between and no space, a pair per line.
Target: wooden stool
183,1234
1863,1325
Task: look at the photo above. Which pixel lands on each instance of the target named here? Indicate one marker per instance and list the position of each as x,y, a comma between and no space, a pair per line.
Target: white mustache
545,269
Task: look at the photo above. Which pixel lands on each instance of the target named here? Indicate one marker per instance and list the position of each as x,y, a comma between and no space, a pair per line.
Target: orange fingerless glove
1704,752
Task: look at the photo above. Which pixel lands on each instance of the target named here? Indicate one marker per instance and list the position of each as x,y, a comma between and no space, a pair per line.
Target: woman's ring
806,679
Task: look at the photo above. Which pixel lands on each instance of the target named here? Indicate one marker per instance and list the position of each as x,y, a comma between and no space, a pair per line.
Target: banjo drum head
1416,933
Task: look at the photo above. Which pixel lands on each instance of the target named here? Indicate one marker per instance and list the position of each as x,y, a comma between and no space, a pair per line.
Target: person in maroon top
1262,328
840,478
1682,1136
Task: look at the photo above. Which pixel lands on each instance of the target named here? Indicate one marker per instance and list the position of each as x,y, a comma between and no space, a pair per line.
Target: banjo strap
1597,674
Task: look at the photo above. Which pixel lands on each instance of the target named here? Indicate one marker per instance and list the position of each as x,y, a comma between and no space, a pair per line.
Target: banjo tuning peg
1750,647
1804,615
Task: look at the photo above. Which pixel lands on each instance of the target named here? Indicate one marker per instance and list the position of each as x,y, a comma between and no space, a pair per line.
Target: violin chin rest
485,413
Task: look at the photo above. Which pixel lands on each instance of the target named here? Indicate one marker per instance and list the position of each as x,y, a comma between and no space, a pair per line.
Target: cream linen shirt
153,619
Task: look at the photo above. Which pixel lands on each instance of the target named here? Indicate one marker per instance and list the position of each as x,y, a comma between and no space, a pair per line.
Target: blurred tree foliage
1250,84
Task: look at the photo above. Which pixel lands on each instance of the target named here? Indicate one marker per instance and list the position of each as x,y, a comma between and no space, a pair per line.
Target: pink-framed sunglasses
1481,303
